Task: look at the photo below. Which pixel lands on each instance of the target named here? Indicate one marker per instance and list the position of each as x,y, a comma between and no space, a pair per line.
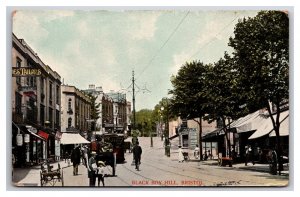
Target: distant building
128,116
119,111
113,110
98,93
107,114
76,109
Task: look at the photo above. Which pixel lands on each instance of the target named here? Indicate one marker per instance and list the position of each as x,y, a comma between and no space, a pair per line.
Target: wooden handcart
50,177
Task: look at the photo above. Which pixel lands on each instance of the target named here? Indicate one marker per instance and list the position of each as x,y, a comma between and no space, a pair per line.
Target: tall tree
223,95
261,51
189,96
143,119
95,112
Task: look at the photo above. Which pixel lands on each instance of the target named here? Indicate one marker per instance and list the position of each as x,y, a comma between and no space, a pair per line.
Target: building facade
98,93
119,111
36,105
107,114
76,109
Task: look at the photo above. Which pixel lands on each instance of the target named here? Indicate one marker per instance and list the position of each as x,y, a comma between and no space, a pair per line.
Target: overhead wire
210,41
164,44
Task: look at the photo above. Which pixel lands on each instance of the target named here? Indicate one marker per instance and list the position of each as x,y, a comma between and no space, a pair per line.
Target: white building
75,110
97,92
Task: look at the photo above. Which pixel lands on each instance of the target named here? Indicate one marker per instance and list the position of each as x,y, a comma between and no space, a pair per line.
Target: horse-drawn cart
50,177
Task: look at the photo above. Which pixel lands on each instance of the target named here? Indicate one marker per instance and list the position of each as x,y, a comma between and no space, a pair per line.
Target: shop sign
19,139
26,138
58,135
25,72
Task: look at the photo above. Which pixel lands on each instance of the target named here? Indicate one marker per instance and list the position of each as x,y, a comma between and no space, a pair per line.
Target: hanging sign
19,140
26,138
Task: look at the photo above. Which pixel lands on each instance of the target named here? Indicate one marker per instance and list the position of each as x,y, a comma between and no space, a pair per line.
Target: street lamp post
161,122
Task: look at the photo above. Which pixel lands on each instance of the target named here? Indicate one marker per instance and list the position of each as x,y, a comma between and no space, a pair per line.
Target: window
57,94
18,103
50,115
42,115
50,93
18,65
42,89
70,105
31,81
69,122
57,122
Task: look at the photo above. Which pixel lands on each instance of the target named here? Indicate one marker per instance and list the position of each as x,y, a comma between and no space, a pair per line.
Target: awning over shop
283,130
28,129
35,135
73,138
213,136
43,134
248,123
266,126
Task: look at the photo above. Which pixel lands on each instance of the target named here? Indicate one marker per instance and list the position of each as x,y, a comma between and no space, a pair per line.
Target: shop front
27,145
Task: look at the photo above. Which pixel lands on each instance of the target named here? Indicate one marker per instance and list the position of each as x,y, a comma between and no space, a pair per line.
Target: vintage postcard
150,98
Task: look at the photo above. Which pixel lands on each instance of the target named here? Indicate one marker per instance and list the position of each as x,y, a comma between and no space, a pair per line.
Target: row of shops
254,130
31,146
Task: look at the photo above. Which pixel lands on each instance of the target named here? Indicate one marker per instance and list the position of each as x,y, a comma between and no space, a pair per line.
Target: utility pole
133,99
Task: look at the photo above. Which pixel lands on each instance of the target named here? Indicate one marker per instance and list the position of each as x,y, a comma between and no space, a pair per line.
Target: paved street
159,170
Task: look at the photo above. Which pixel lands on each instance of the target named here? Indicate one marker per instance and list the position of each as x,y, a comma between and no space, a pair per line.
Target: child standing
100,172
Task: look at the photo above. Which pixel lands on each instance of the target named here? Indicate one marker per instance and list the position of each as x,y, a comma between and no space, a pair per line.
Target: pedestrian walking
137,152
180,154
100,173
84,151
274,162
249,155
92,168
75,159
197,152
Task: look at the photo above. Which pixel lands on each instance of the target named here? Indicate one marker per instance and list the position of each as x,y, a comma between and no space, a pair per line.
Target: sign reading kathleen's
24,72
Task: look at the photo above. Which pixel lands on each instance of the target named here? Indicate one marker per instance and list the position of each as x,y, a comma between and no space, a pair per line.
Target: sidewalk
31,176
258,167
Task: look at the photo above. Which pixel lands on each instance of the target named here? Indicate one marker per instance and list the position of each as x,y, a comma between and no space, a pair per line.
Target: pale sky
103,47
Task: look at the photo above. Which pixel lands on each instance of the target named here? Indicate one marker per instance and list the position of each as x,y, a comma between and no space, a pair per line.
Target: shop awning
248,123
35,135
73,138
283,130
27,129
266,126
43,134
213,136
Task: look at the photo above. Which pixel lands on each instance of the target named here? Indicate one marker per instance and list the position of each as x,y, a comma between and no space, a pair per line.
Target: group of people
181,155
95,169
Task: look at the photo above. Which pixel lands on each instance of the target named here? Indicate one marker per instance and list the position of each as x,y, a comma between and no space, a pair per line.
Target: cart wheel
62,178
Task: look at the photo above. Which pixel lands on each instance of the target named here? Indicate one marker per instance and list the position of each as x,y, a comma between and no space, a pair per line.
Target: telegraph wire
164,44
207,43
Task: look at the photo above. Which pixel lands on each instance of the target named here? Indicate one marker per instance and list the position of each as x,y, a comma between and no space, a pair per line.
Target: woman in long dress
180,155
